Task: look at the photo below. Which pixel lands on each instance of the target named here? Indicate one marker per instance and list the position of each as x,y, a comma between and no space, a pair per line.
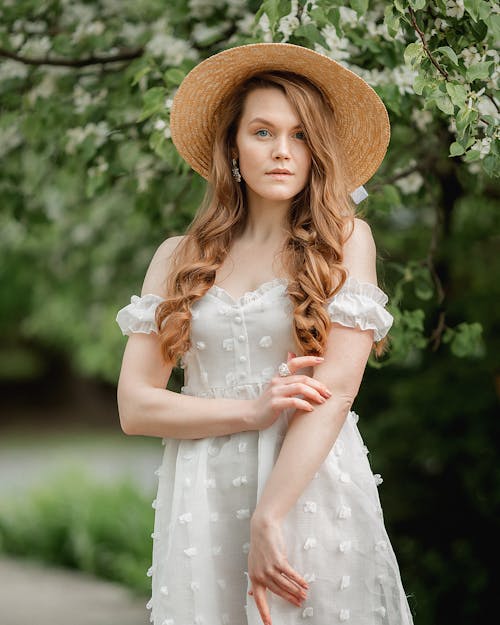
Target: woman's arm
310,437
147,408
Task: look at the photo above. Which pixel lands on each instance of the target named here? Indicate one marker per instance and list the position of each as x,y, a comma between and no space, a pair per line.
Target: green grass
77,523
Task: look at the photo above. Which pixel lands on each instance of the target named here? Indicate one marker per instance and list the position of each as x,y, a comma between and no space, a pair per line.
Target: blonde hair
318,220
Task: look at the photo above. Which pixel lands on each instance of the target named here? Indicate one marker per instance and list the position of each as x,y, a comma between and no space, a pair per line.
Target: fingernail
318,358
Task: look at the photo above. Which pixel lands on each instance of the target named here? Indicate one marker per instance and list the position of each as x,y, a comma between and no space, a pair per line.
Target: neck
266,221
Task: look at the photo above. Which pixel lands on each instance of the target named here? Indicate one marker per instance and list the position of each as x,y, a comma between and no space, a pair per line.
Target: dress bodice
241,341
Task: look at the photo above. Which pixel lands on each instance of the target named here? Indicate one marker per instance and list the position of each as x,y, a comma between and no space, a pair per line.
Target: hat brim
361,120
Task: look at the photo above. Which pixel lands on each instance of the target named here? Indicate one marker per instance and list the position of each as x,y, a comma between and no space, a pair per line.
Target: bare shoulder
157,273
360,252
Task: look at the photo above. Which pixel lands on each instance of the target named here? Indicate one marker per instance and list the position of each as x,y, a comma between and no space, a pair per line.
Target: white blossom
12,69
236,8
265,27
288,24
10,138
348,16
172,50
16,41
455,8
83,99
470,56
77,135
246,23
36,46
338,47
201,9
422,118
411,183
77,13
483,146
144,171
201,32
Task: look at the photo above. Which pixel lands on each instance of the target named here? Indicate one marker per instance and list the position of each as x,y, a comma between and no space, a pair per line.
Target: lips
280,171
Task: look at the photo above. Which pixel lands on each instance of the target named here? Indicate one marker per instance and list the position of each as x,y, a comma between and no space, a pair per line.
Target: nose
281,148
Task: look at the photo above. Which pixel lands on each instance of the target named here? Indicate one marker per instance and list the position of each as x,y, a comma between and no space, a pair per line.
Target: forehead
270,103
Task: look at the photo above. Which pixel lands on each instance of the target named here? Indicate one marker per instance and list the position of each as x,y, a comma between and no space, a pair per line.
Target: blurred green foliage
78,523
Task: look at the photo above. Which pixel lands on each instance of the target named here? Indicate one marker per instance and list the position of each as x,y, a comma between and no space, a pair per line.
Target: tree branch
124,55
421,34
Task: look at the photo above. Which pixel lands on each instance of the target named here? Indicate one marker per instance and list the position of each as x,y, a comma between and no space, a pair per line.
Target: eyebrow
261,120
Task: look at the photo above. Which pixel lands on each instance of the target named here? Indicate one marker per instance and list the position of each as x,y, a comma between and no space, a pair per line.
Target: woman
264,472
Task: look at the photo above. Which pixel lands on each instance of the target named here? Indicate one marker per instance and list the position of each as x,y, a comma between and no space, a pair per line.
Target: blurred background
91,185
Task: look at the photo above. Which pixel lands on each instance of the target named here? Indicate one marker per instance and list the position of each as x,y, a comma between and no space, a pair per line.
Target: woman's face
270,137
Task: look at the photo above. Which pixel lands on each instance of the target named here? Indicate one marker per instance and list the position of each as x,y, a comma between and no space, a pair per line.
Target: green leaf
153,102
465,339
419,82
472,155
456,149
413,52
493,24
275,10
457,93
312,34
479,71
477,9
445,104
174,76
360,6
465,117
391,195
417,4
491,165
449,52
391,20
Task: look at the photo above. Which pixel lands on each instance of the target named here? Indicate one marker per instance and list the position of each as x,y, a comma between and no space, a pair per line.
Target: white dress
208,487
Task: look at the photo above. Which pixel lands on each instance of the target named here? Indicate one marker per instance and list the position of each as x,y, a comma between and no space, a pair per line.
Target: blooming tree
91,181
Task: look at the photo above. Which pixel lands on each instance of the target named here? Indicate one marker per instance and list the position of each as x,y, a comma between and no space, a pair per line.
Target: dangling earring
236,171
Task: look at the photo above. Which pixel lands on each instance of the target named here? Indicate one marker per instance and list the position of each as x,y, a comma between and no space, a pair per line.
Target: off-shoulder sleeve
139,315
361,304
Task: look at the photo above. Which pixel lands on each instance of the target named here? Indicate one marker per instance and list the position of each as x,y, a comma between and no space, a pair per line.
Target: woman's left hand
268,567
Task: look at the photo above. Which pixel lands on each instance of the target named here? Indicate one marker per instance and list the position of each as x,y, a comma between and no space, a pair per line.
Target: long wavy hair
320,220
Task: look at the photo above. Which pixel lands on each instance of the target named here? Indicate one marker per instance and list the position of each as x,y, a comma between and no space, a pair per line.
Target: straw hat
362,123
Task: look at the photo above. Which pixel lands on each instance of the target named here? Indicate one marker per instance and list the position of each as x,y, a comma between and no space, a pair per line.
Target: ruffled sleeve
139,315
361,304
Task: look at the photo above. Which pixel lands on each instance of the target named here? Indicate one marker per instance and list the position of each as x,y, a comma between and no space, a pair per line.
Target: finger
305,379
304,361
282,403
299,388
259,593
291,587
284,594
291,573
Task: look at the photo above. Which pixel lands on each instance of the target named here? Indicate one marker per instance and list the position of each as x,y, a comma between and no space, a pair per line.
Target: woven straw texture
362,123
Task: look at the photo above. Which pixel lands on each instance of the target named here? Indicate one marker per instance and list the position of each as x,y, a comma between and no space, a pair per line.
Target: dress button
237,320
243,358
241,338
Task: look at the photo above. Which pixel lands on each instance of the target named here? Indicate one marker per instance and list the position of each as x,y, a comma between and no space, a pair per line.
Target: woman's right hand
281,393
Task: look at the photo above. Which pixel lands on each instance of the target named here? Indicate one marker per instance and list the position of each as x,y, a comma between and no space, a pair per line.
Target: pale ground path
31,594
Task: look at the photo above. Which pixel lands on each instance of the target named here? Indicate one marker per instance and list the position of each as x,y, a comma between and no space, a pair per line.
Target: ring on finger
284,370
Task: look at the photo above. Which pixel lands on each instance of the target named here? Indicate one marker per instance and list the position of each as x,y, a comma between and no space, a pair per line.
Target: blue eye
262,130
303,136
